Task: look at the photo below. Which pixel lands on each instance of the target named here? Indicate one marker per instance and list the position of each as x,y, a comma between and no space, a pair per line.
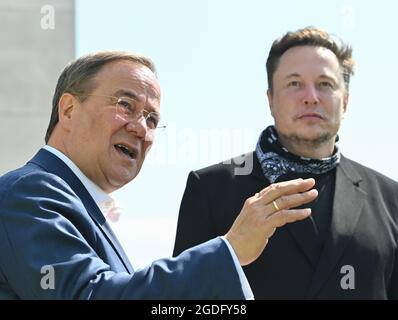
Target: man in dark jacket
348,248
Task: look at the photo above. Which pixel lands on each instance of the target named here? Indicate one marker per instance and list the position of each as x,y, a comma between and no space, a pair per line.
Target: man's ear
66,106
345,103
271,105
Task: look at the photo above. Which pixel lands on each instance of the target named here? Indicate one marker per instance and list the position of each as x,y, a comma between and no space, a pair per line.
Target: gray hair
77,77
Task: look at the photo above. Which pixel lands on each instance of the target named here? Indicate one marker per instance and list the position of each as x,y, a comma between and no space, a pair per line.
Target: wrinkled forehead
145,81
129,78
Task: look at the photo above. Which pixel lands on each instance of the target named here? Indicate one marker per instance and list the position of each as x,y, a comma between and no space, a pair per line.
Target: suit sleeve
36,232
195,224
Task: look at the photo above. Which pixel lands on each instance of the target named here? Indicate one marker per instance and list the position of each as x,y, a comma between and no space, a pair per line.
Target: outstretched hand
266,211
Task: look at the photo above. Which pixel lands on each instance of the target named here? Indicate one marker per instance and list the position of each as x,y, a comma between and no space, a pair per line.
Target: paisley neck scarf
276,160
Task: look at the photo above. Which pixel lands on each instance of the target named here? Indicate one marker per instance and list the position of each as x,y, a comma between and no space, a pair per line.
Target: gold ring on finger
275,206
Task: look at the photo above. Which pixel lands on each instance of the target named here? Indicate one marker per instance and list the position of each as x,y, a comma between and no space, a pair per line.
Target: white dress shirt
105,202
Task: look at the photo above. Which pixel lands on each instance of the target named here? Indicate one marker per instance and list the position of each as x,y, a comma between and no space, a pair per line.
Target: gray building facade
37,40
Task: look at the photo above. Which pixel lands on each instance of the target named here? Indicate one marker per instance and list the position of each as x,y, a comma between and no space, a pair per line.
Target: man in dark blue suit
54,239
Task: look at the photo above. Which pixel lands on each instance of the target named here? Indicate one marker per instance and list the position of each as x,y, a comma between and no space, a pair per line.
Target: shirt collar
103,200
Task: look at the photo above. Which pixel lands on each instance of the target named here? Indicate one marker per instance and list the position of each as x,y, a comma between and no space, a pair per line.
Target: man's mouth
312,115
128,151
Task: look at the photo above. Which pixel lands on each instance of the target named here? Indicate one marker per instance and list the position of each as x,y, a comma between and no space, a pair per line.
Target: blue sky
210,57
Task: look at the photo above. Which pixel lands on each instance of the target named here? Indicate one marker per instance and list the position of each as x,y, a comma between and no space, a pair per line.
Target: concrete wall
37,39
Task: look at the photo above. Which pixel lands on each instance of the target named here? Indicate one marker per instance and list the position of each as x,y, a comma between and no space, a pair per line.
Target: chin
311,136
310,131
315,138
122,178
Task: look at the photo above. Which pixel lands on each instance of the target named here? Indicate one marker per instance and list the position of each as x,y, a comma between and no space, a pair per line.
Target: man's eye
152,120
325,84
294,84
126,104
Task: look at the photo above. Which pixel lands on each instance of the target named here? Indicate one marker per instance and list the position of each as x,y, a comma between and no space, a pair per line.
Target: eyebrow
133,95
126,93
322,76
292,75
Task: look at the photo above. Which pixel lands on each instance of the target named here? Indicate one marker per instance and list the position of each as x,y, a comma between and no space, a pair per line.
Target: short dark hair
77,76
310,36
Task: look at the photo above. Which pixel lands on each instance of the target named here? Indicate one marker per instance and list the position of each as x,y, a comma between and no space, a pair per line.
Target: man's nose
138,126
311,95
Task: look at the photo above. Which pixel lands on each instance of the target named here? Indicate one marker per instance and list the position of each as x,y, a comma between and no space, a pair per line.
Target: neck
308,148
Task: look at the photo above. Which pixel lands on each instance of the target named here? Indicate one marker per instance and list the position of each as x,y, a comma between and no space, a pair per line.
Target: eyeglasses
127,110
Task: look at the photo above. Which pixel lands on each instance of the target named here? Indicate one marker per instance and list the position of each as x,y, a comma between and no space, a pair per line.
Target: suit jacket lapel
304,233
347,207
53,164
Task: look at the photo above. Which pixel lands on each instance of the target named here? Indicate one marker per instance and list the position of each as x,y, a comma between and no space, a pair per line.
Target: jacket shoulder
377,186
26,171
370,174
30,180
